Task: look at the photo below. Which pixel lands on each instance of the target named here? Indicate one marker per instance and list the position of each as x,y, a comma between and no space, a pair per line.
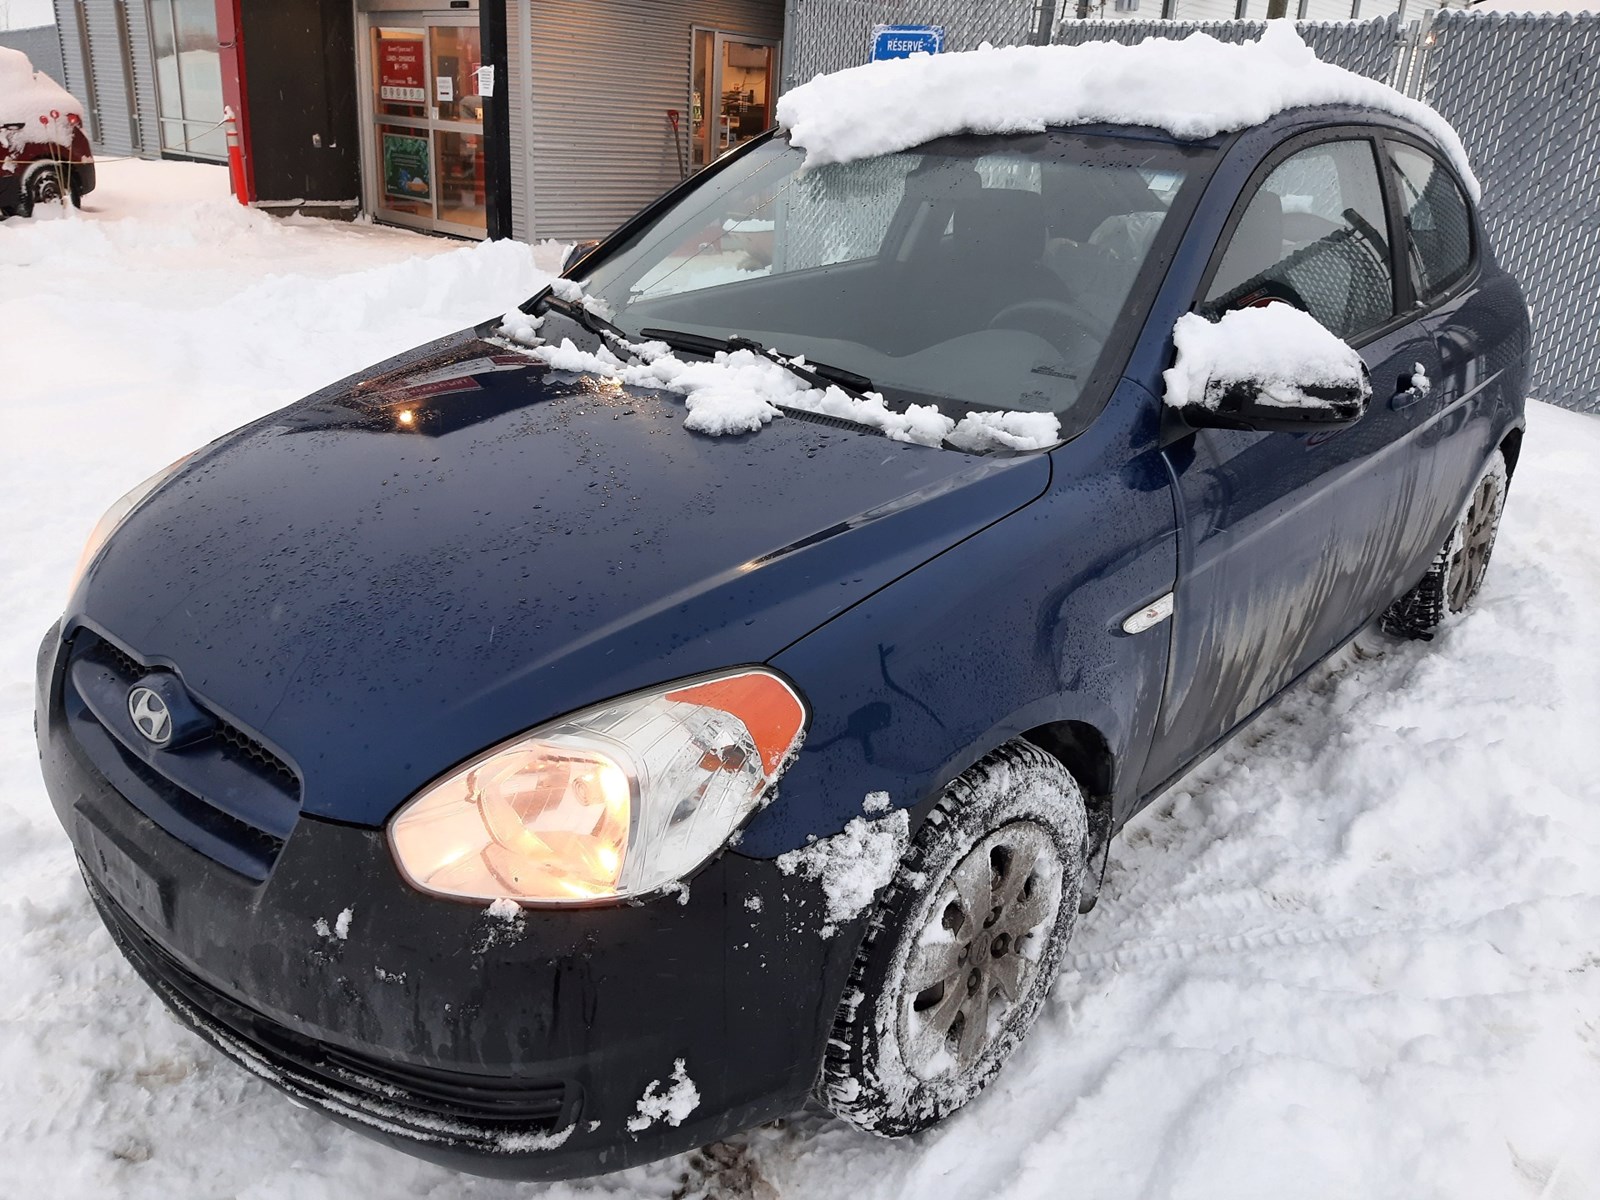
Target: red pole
236,159
230,36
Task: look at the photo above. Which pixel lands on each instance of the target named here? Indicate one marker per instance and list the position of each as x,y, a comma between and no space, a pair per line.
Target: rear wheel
1457,573
963,948
43,186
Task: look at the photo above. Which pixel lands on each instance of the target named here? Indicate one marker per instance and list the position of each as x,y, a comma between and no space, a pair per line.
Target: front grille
247,748
129,668
487,1112
222,792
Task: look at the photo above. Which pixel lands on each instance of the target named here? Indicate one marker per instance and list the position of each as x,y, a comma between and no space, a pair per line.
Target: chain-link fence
1524,92
829,35
1366,47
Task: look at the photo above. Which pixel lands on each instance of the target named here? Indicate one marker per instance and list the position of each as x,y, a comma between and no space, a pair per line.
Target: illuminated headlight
117,514
618,800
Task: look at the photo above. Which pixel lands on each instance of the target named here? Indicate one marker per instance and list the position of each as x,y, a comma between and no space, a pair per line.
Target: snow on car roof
1193,88
34,100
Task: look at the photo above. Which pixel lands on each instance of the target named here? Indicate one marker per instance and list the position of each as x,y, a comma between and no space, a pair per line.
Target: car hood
412,565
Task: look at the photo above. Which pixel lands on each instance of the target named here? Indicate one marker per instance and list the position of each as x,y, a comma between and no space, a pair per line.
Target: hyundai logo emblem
150,714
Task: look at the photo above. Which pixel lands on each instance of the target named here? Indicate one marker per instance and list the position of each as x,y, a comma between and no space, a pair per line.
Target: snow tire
43,186
1009,836
1457,571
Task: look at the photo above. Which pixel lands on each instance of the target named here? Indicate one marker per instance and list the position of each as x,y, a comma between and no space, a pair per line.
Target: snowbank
45,110
1193,88
1277,346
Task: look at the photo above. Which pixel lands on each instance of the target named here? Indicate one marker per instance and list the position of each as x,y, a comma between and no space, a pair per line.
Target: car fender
1017,626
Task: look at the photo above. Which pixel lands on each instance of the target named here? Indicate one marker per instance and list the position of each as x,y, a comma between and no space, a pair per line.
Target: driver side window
1315,235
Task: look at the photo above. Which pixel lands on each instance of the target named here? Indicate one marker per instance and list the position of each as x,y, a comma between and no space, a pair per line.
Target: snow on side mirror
1270,368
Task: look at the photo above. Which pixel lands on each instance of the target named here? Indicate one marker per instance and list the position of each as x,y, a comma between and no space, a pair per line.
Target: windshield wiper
577,313
818,375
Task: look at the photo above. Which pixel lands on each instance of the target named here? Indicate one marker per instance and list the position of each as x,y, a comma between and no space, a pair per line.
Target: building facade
425,113
147,73
505,118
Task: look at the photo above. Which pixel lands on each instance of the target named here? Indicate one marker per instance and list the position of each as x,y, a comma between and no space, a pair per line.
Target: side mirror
1275,405
579,252
1271,368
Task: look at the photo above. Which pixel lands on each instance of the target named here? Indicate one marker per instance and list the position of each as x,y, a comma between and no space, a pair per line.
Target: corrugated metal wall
117,83
519,55
604,76
144,76
74,69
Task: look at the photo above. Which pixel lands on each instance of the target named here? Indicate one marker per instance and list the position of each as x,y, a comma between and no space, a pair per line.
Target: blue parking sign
902,41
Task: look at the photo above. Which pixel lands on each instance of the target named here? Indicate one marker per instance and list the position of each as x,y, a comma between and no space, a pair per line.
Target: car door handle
1413,386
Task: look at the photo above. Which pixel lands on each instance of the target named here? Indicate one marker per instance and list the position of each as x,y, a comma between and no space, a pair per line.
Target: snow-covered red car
716,682
44,152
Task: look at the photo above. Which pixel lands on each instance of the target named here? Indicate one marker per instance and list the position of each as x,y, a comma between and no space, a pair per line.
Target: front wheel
1457,573
963,948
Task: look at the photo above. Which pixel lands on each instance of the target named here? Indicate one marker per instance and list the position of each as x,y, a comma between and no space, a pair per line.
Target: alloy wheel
1471,559
977,952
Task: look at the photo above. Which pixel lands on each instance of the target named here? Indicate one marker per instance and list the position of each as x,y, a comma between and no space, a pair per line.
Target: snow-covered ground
1354,955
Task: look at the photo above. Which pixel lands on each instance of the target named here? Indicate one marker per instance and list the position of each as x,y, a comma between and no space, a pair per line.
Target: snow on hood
33,100
1194,88
740,391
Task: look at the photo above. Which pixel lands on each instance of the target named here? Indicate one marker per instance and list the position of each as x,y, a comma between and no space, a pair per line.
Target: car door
1437,237
1291,541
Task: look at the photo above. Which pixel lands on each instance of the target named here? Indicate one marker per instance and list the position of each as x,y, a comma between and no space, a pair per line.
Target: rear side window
1438,221
1314,234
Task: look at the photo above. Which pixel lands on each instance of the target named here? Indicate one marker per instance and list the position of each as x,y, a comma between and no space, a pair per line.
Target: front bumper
516,1048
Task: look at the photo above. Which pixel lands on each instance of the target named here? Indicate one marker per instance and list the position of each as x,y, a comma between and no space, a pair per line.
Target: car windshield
974,273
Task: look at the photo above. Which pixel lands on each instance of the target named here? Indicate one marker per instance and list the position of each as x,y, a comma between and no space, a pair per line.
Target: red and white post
235,158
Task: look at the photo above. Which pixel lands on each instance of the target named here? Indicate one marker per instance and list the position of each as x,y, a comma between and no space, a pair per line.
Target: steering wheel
1060,322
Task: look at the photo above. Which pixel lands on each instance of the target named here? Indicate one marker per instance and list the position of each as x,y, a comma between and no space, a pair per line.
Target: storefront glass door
426,152
733,89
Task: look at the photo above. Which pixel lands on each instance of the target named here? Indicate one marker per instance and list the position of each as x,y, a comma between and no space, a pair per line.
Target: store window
188,77
733,89
428,124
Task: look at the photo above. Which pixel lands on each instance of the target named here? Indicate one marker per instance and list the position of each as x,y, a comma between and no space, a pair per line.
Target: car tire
1457,571
963,946
41,187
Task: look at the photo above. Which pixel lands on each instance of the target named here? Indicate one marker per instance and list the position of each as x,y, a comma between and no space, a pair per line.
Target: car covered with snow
716,683
44,151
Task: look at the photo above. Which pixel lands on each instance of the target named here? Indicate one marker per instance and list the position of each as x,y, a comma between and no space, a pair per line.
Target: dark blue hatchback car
506,770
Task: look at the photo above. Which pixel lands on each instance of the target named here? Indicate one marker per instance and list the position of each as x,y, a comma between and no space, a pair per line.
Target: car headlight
117,514
619,800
